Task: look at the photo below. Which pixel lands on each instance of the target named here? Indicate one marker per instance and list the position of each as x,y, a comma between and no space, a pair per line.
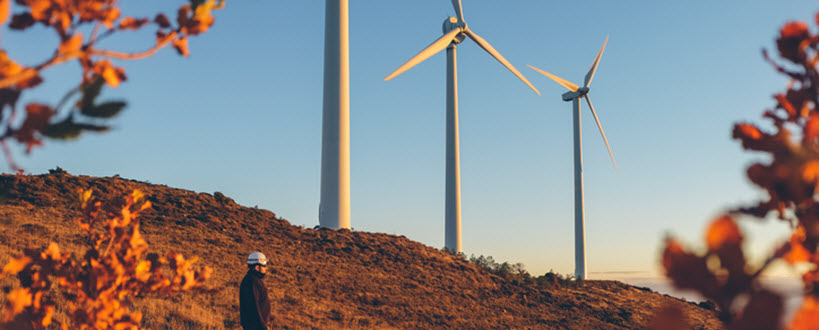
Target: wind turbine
334,208
575,94
455,31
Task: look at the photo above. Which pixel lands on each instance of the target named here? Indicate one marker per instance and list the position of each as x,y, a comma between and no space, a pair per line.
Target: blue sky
242,116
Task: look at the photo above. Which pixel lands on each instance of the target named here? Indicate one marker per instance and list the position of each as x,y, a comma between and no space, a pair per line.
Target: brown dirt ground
320,278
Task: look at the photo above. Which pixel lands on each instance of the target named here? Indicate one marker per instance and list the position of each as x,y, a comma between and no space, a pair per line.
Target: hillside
320,278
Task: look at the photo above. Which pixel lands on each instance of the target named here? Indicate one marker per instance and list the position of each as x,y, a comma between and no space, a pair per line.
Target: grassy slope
320,278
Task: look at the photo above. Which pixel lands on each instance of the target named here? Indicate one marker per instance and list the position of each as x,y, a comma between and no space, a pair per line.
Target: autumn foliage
790,177
101,284
80,26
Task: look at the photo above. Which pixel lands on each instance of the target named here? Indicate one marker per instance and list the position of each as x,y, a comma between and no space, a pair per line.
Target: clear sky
242,116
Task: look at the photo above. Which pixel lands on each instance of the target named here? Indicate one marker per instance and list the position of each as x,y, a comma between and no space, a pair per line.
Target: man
254,304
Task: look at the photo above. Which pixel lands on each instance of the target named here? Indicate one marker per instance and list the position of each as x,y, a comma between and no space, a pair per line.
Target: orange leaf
85,195
7,66
130,23
15,265
71,45
722,231
47,315
137,243
749,131
53,252
785,104
5,8
112,75
794,29
142,272
201,21
136,196
111,16
810,172
796,251
181,46
811,130
808,315
40,9
16,301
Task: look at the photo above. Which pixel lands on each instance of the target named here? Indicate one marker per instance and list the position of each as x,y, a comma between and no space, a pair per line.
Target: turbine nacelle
581,92
577,92
456,31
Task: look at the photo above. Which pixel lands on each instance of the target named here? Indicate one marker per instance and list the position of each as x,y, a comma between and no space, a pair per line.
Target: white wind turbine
455,31
334,207
575,94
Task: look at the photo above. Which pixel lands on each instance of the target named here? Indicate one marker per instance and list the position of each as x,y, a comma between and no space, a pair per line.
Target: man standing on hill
254,304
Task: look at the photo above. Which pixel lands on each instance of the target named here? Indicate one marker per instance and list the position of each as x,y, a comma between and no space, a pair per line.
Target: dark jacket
254,304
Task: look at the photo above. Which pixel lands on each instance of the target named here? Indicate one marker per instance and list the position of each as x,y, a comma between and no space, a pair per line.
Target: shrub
100,286
790,177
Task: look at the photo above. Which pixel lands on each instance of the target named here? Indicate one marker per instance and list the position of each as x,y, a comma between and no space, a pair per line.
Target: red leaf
790,42
37,117
747,131
763,311
162,21
785,104
686,270
794,29
669,318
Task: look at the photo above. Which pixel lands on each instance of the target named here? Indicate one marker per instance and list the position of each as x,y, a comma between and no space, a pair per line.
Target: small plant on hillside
80,26
790,178
101,284
516,273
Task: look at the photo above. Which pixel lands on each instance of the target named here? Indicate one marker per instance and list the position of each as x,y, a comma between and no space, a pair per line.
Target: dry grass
319,278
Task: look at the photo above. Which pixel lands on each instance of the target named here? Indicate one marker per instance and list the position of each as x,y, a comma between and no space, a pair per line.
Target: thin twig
9,157
93,38
66,97
105,34
130,56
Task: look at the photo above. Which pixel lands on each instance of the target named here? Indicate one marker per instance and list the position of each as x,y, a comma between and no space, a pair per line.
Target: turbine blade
569,85
492,51
432,49
459,9
593,68
588,100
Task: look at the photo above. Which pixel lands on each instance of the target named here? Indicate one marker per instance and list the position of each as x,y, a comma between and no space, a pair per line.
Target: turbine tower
575,94
334,208
455,31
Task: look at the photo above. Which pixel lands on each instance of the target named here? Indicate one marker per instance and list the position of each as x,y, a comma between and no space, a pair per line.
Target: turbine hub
453,23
